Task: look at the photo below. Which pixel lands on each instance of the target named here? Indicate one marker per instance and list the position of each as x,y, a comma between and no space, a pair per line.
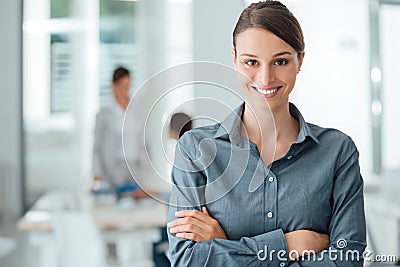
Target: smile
267,92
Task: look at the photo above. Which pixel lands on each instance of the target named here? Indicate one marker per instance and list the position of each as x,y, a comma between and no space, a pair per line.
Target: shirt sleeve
347,229
187,193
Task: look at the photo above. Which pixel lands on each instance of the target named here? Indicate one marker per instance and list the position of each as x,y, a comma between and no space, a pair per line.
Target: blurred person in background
111,173
109,164
178,125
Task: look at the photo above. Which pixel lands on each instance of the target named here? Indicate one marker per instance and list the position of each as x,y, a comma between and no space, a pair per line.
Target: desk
118,221
146,213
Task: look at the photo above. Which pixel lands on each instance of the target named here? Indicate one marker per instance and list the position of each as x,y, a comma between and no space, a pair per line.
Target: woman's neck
266,127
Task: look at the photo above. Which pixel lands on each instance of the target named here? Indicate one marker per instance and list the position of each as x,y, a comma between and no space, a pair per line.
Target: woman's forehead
260,41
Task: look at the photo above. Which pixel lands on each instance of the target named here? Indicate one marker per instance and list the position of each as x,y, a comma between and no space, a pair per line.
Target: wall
213,24
390,44
59,145
333,87
10,103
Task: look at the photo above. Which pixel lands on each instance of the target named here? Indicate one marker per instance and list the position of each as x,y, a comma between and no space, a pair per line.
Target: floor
24,254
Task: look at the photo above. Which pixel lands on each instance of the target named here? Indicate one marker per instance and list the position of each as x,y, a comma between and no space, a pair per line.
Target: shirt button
282,264
290,157
271,179
269,214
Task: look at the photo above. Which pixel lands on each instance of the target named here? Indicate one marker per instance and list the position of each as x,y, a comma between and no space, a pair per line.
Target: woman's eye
281,62
251,62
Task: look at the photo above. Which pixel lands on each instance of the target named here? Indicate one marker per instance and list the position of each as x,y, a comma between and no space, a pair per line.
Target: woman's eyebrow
248,55
282,53
277,54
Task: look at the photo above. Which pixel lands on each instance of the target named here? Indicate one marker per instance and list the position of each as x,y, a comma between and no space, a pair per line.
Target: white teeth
266,92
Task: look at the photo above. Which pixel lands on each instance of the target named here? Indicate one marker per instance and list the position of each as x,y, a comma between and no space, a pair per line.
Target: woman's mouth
268,92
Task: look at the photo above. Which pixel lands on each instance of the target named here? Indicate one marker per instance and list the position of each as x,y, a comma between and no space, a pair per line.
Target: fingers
187,228
185,221
324,239
191,217
205,211
193,213
190,236
196,225
195,217
306,240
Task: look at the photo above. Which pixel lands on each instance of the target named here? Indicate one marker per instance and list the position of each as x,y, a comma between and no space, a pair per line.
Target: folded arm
347,227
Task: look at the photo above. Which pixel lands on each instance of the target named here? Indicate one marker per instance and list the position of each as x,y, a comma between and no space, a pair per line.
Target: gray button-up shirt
317,186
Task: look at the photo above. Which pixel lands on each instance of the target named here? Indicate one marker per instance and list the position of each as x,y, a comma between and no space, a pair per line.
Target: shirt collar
305,129
230,127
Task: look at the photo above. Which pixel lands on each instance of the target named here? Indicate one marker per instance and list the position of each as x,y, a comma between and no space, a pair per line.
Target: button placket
270,200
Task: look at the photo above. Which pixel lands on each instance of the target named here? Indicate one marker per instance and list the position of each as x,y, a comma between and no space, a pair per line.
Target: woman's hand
196,225
302,242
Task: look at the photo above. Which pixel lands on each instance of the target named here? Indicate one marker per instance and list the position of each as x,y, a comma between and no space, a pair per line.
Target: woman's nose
265,76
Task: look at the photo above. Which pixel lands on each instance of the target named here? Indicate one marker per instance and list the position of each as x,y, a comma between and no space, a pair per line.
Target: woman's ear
300,60
234,56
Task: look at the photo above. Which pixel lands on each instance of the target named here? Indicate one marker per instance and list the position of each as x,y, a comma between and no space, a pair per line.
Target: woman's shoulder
199,133
193,137
333,136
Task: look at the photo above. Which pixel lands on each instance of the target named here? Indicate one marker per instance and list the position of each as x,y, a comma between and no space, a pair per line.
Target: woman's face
121,86
270,65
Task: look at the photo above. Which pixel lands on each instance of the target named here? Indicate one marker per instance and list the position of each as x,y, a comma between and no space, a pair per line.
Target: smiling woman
299,190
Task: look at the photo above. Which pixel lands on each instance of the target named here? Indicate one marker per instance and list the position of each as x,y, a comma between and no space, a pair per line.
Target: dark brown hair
119,73
272,16
180,123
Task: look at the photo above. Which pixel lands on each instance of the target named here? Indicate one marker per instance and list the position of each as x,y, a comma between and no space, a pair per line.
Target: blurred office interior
57,58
